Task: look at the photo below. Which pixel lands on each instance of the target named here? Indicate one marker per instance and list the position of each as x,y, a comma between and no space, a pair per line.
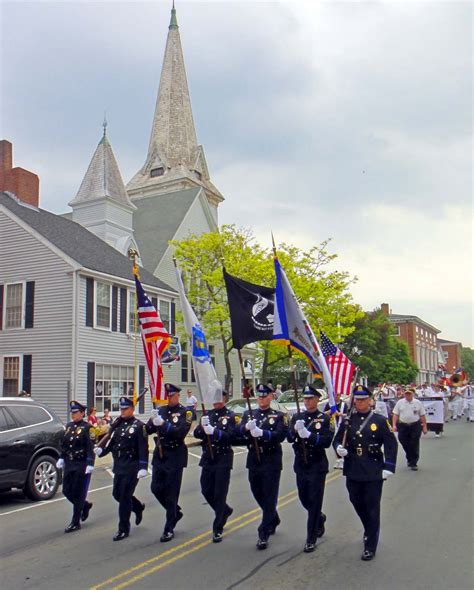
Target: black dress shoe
367,555
309,547
85,511
72,527
217,538
139,514
165,537
227,515
119,535
262,544
414,467
321,528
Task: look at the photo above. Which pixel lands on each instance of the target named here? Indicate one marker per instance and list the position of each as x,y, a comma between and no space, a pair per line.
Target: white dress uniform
468,395
457,403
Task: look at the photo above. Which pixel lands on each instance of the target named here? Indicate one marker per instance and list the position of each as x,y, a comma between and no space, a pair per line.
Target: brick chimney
22,183
385,309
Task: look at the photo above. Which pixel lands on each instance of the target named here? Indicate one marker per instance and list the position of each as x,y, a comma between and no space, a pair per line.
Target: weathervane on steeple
174,20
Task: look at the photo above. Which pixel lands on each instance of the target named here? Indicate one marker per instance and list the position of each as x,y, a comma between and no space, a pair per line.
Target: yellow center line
239,523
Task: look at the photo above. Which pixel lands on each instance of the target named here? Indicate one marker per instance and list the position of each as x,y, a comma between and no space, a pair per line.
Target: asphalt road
426,541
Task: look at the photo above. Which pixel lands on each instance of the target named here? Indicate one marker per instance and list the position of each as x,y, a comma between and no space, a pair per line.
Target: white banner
434,409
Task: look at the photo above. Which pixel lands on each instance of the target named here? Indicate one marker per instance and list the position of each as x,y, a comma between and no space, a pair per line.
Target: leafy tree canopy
467,361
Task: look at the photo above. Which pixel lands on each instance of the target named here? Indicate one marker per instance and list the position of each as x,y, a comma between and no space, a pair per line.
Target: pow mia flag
251,311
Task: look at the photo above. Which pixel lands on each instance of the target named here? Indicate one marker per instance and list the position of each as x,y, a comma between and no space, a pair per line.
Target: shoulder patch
285,419
189,417
237,420
389,426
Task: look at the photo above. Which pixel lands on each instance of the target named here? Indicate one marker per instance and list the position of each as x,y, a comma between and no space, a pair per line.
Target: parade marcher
217,431
269,428
128,444
311,433
457,403
338,417
409,420
191,403
468,395
359,440
77,460
171,423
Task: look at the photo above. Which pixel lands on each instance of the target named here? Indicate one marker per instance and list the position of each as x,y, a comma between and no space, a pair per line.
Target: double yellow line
174,554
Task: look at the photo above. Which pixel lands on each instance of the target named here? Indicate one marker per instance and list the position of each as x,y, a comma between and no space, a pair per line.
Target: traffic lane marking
239,523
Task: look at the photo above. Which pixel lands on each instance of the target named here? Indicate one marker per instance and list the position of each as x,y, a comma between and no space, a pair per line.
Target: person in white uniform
409,420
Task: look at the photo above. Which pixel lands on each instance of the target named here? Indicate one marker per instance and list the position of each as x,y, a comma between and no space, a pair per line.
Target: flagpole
351,407
255,443
196,374
293,373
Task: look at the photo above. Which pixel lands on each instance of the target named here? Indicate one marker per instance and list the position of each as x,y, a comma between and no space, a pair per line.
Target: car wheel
43,479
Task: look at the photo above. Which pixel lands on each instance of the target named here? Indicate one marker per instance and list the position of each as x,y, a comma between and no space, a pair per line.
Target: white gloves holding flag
256,432
386,474
208,429
60,464
98,451
205,421
142,473
156,418
89,469
251,424
341,451
301,429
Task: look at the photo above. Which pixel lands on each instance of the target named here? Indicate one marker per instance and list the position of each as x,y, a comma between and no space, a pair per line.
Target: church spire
174,156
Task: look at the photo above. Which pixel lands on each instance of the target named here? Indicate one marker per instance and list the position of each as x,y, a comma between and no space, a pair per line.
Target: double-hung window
103,306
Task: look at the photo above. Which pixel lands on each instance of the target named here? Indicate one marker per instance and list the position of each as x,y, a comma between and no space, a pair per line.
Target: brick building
422,342
451,353
17,180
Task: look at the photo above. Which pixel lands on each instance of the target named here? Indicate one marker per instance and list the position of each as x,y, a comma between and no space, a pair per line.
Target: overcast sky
349,120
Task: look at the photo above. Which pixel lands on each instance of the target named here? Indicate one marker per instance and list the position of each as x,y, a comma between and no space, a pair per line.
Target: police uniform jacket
128,445
321,436
171,436
365,460
76,446
224,422
275,429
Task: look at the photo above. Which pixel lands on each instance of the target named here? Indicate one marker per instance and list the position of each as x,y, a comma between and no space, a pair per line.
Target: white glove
251,424
299,424
98,451
386,474
60,463
256,432
341,451
154,413
208,429
142,473
89,469
158,420
204,421
304,433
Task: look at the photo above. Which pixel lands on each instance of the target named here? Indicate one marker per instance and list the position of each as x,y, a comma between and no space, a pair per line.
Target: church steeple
174,159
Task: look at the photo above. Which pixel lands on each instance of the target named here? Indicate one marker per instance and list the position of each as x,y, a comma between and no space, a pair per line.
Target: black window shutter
26,385
90,385
123,310
173,318
89,302
141,385
154,300
1,306
29,304
114,308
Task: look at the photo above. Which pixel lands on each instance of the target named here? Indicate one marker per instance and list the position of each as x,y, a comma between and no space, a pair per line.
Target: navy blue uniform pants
311,493
214,488
75,486
409,436
165,486
365,497
123,488
265,486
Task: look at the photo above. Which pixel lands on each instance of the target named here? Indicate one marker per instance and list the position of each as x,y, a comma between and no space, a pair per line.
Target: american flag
340,367
155,340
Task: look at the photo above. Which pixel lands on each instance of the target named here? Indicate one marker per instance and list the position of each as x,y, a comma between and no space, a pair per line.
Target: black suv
30,439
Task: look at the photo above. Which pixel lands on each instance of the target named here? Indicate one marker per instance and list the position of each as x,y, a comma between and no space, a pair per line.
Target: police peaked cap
361,392
126,402
75,406
263,390
310,391
170,388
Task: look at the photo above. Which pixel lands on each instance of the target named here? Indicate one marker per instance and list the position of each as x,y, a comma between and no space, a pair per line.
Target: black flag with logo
251,311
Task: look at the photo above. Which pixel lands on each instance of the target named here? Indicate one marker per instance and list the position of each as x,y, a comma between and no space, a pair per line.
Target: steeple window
157,172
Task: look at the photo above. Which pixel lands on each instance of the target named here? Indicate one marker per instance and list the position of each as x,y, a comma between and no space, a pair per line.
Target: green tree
379,354
467,361
323,295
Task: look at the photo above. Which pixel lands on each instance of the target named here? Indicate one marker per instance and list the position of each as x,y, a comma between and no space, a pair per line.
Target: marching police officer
171,424
77,460
311,432
128,444
360,440
269,429
216,431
